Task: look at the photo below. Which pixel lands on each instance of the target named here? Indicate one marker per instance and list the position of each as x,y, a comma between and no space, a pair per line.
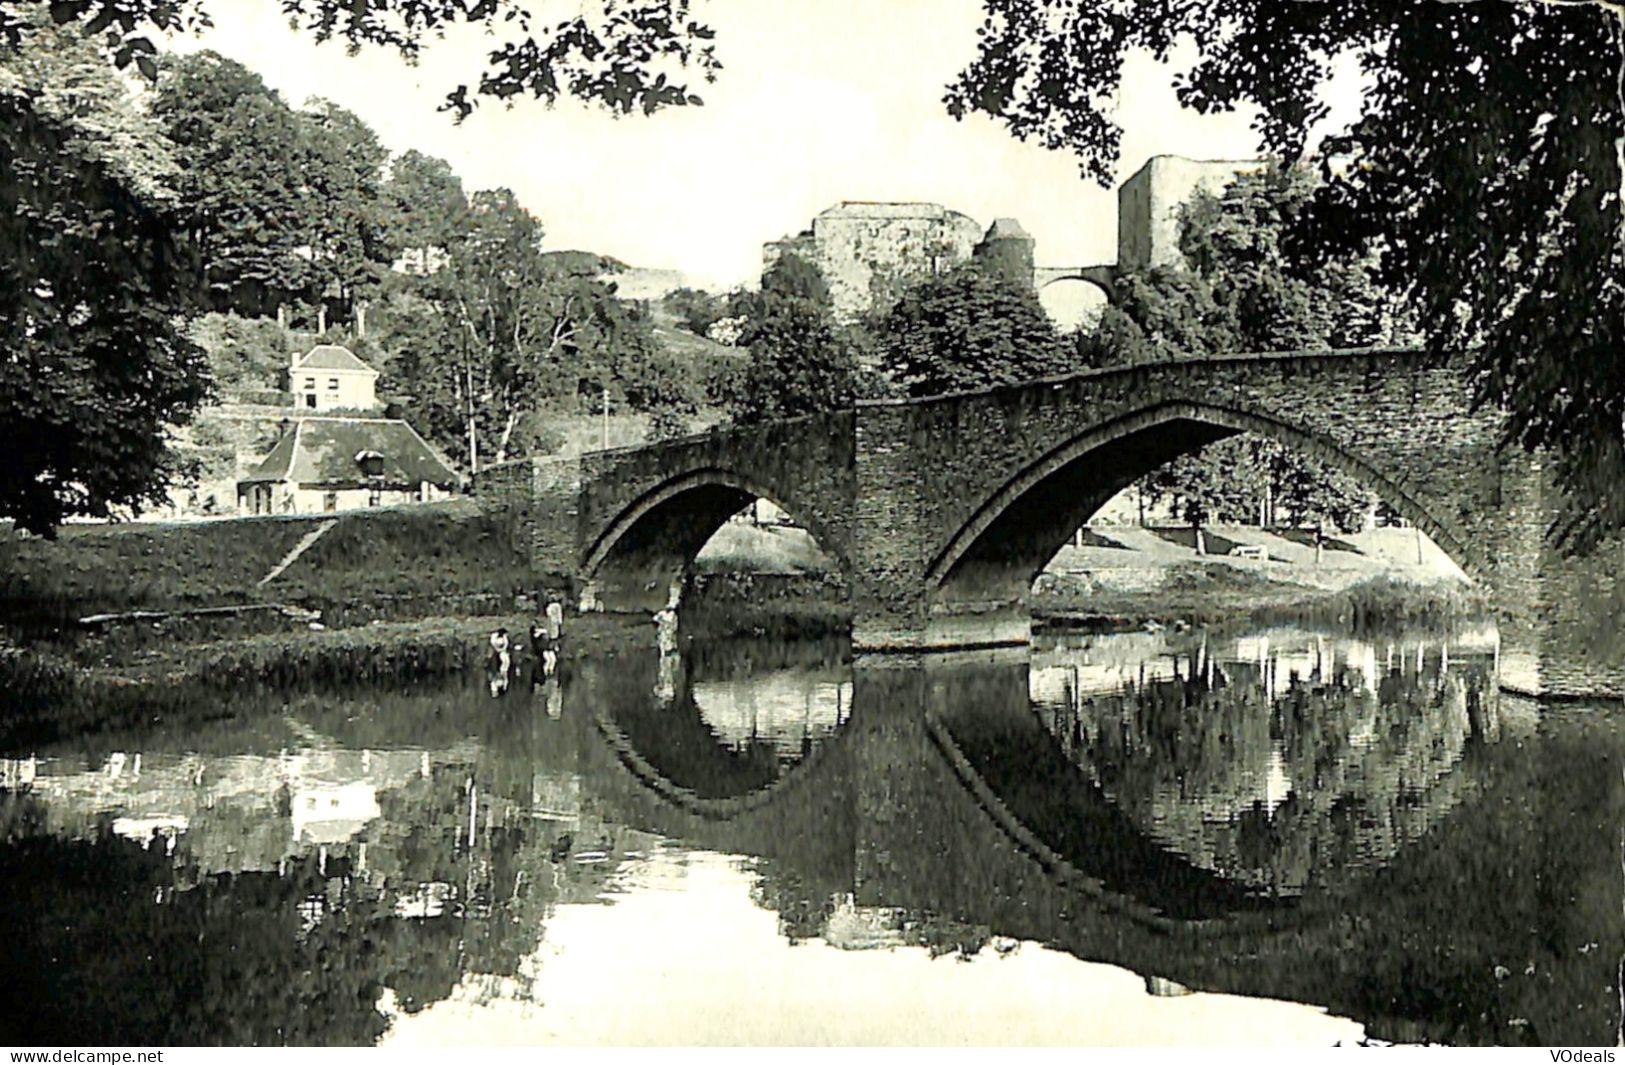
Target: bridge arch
653,539
1010,538
1073,301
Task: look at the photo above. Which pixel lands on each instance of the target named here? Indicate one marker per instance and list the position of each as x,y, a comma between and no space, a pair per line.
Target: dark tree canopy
794,276
801,361
967,330
1485,160
1244,285
94,280
283,205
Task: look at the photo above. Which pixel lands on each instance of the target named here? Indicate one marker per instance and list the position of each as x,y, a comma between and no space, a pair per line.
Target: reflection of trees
107,949
803,904
297,942
809,908
1333,772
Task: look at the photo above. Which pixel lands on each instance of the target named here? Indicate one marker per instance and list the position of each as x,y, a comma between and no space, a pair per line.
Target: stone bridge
1102,277
943,510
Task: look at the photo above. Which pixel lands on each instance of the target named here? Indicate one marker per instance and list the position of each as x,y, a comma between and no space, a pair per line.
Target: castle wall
870,253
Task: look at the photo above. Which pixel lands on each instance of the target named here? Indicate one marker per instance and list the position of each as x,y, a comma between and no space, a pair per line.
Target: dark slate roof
332,357
1007,229
322,452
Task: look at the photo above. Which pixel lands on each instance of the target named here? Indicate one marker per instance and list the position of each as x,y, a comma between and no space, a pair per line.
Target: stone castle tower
1006,252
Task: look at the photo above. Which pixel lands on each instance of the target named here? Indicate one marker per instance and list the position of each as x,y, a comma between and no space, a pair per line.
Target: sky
818,101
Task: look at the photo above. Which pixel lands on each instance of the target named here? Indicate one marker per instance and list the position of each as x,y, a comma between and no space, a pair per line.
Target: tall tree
500,332
241,152
496,332
345,214
94,280
424,208
1489,157
966,330
1202,488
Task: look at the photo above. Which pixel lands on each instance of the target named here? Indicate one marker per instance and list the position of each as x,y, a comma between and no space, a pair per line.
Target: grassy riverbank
1209,595
388,554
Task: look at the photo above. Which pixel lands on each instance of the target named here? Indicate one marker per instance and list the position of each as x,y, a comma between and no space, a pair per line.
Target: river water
1282,835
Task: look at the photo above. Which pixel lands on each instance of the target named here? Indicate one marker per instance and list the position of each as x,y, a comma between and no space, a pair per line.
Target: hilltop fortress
870,253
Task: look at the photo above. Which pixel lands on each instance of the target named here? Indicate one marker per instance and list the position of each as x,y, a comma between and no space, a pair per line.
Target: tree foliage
1244,285
965,330
801,361
1485,159
626,55
93,283
793,276
283,205
696,310
494,334
425,206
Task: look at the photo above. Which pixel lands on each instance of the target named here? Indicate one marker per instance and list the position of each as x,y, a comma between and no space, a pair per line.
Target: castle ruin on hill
871,252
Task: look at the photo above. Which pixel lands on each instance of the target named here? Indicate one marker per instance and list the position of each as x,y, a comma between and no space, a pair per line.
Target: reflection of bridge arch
1021,525
675,752
714,808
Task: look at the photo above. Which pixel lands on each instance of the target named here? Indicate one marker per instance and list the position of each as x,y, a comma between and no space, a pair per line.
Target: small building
331,377
343,463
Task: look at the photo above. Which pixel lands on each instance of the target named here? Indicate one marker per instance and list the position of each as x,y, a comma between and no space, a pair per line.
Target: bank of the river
1199,595
387,555
56,692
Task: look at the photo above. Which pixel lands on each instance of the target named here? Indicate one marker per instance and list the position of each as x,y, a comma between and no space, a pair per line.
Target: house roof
333,357
323,451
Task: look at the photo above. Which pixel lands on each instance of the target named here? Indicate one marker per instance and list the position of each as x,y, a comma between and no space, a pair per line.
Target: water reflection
1278,759
1289,815
723,723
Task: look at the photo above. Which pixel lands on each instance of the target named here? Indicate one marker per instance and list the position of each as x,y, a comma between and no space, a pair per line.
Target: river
1281,835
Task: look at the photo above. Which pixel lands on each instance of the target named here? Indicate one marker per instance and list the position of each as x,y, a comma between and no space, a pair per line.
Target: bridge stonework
943,510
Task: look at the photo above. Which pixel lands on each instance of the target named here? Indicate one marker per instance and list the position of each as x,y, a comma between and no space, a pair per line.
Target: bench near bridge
942,511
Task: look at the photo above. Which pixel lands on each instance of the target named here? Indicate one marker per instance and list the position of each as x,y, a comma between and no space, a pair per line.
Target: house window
330,501
332,384
310,384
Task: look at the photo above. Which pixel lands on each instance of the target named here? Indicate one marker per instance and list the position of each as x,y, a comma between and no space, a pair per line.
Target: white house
328,377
